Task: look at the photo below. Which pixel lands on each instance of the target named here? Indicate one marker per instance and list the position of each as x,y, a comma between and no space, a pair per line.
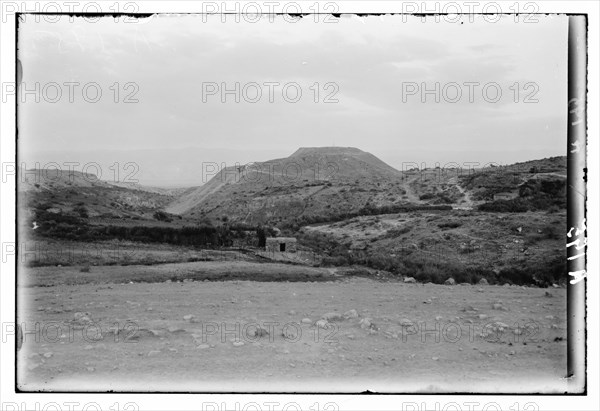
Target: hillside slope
84,195
317,184
311,182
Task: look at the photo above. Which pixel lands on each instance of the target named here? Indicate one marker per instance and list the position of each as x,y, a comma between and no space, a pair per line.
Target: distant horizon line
178,184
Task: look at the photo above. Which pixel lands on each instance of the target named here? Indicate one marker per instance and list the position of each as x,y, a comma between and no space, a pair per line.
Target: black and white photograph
307,199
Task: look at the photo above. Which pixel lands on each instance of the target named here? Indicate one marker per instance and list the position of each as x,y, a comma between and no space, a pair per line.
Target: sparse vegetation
162,216
355,207
449,225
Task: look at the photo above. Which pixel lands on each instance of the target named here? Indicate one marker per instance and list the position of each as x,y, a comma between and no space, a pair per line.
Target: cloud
164,63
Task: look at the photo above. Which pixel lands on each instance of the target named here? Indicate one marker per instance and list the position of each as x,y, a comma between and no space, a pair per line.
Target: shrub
551,232
334,261
81,210
162,216
397,232
516,205
451,224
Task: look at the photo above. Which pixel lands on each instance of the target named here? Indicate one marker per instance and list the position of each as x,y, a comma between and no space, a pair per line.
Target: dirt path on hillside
468,201
410,193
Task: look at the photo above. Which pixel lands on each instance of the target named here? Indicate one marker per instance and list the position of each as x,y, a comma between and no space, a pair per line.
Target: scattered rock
438,318
482,316
483,281
136,335
499,326
258,332
82,318
506,285
90,369
410,280
291,333
367,323
405,322
393,332
497,306
203,346
238,343
332,317
189,317
547,294
322,324
450,281
351,314
292,312
306,321
48,355
435,358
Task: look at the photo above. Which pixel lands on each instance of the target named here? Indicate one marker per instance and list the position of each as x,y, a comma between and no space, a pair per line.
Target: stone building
281,244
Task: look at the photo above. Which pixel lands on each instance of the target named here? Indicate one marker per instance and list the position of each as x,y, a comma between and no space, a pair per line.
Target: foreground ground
109,334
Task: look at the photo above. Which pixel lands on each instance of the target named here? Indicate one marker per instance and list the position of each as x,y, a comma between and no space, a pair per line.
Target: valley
389,266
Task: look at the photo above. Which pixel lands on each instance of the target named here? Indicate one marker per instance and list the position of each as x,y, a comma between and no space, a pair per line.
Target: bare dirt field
336,334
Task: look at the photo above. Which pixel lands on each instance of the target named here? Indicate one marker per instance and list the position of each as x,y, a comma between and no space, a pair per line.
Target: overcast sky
370,61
